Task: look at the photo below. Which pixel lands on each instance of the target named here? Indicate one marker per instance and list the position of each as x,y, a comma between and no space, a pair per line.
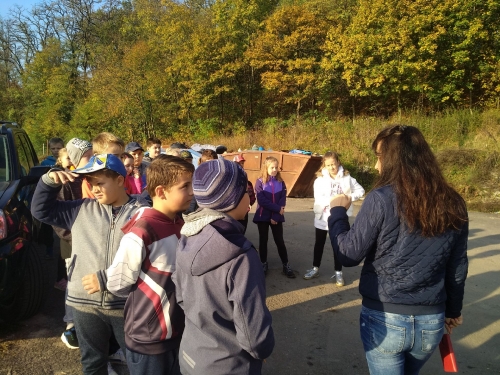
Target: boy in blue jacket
219,279
95,227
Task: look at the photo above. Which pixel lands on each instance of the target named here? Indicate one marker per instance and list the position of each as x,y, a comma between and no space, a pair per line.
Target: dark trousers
93,328
160,364
319,245
277,230
244,222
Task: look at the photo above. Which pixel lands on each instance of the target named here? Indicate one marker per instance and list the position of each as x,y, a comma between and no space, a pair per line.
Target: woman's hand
341,200
282,211
273,222
451,323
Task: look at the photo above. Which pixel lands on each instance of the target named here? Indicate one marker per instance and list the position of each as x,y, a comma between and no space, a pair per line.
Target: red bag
447,354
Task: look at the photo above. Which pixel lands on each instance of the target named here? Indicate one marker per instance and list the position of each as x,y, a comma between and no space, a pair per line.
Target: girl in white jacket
332,179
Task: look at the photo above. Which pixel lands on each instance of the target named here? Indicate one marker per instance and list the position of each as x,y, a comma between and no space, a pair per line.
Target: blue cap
103,161
133,146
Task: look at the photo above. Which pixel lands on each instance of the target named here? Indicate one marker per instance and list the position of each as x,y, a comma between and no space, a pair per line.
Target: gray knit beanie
219,184
76,148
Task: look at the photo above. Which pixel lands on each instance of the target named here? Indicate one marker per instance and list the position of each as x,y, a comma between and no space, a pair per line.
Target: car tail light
3,225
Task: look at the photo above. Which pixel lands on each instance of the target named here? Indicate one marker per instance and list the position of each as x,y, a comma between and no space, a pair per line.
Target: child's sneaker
287,271
265,267
339,279
313,272
69,338
118,357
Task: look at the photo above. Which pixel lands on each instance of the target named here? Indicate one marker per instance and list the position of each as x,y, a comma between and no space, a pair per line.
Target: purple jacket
271,196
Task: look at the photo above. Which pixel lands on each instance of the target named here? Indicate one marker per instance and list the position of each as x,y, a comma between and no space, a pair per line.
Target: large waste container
298,171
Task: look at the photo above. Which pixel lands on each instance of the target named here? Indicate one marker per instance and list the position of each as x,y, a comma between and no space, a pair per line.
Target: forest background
313,74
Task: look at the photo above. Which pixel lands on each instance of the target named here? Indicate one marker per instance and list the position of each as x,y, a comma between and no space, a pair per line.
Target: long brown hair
330,155
424,199
263,172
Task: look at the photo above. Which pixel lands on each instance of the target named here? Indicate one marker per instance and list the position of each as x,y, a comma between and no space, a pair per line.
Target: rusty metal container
298,171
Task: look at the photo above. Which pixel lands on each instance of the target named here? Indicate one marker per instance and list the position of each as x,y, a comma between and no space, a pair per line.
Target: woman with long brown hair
411,233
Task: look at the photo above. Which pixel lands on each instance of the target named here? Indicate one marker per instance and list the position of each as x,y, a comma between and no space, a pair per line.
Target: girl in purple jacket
271,200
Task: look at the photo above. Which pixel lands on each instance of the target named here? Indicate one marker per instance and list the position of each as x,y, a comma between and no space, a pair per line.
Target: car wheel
34,289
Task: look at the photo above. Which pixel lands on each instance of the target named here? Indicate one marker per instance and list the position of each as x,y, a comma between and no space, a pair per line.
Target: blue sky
5,5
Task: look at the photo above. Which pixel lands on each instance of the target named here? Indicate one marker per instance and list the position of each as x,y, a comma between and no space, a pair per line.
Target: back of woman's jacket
271,196
403,272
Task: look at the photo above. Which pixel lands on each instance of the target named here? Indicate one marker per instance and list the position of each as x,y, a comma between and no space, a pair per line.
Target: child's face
128,163
107,190
177,198
154,150
54,148
138,156
114,149
241,209
332,166
65,160
272,169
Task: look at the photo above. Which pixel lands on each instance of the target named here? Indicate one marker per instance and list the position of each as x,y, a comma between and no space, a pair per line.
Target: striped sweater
142,270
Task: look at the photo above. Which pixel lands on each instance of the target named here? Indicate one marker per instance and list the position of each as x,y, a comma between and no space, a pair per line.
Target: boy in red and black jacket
143,267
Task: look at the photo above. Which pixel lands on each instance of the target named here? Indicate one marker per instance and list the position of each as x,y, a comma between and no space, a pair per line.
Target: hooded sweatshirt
325,187
221,287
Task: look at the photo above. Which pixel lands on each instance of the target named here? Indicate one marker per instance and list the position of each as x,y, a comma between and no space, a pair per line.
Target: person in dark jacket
271,200
412,234
219,280
251,192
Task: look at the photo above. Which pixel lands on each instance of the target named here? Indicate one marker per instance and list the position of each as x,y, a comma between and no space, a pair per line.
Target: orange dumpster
298,171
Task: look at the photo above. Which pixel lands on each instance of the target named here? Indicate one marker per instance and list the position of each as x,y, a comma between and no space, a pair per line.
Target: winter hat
76,147
103,161
219,184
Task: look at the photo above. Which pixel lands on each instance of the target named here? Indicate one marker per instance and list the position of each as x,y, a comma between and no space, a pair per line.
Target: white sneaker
111,371
339,278
118,357
313,272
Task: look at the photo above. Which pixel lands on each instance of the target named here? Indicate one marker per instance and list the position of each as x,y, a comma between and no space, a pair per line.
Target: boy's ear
120,180
160,192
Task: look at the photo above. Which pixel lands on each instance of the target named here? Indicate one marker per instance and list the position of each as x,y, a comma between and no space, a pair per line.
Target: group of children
179,293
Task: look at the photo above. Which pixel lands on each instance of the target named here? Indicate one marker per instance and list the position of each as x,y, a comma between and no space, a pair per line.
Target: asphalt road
315,322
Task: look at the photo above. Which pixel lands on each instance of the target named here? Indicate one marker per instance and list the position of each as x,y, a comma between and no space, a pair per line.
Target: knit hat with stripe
219,184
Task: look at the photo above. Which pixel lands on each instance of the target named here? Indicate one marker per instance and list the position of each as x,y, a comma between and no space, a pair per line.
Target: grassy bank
465,142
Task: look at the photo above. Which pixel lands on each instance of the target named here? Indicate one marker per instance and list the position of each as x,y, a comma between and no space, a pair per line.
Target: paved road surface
315,322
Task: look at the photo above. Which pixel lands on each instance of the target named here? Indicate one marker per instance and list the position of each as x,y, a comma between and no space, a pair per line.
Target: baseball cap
101,162
238,158
133,146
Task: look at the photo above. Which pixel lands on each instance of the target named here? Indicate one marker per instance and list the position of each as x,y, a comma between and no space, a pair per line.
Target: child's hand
91,283
62,176
341,200
282,211
273,222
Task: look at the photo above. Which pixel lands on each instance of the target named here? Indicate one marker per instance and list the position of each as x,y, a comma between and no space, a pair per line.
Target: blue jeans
398,344
158,364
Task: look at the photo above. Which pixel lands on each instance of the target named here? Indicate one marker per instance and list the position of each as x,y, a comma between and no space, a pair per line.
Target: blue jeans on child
161,364
397,344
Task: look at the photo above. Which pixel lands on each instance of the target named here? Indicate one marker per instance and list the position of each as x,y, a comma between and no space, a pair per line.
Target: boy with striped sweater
143,266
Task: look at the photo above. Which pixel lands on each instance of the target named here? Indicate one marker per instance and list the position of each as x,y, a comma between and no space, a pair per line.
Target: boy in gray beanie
219,279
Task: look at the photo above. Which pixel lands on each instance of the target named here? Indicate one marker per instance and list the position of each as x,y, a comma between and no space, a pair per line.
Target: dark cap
133,146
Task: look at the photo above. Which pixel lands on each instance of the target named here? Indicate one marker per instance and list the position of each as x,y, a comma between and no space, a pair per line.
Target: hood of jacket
209,239
326,173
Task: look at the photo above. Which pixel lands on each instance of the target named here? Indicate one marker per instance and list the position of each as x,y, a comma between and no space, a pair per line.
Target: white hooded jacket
325,187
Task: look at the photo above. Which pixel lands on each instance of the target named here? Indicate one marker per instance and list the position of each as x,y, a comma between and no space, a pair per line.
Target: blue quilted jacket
403,272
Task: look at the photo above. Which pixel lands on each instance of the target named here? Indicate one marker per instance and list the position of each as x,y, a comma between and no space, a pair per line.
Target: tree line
170,68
